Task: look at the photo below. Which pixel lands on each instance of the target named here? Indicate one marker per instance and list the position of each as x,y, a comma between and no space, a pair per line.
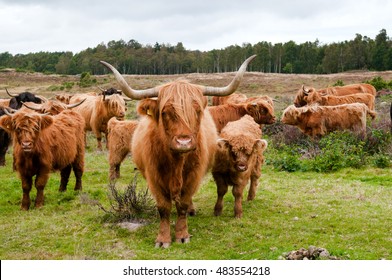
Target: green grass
348,212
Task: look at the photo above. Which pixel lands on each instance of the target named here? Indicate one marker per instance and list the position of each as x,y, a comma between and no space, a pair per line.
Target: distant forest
361,53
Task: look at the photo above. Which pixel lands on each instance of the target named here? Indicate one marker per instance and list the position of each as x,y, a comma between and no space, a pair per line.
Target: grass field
347,212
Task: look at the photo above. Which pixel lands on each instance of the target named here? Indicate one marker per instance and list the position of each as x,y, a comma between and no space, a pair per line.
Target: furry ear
46,121
222,143
148,107
261,144
6,123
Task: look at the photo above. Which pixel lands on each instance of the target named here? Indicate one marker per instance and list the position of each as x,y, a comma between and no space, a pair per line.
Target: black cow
17,99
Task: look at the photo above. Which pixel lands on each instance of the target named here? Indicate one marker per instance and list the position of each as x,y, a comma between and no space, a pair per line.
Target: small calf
238,159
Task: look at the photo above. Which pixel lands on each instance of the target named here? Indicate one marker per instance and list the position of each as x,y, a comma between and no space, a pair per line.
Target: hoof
162,245
192,212
183,240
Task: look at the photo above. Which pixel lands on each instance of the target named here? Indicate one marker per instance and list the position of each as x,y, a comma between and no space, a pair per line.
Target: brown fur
97,111
173,147
317,121
261,111
4,102
63,97
238,160
338,91
234,98
332,100
120,135
55,143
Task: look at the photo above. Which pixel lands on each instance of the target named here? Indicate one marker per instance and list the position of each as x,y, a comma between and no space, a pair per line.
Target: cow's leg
78,167
26,188
191,209
2,159
65,172
164,238
40,183
237,193
114,171
98,136
254,179
222,188
115,160
182,235
4,142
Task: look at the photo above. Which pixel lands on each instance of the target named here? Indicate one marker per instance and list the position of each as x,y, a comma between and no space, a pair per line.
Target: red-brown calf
238,159
43,143
120,135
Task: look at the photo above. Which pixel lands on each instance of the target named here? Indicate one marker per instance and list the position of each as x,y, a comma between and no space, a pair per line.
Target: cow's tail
371,114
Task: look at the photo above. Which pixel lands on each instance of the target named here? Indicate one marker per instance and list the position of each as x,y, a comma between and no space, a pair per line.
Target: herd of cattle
175,141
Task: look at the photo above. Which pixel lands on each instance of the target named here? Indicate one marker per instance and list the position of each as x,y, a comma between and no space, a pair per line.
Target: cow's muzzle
241,167
183,143
27,146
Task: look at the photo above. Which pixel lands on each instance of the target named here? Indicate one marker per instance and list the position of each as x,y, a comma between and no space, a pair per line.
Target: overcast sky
74,25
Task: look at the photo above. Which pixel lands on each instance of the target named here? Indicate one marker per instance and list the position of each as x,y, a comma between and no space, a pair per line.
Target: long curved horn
70,106
7,112
128,91
12,95
223,91
305,90
36,107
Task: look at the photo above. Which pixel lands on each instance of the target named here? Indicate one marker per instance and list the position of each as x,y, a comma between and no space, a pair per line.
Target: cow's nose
26,145
241,167
183,140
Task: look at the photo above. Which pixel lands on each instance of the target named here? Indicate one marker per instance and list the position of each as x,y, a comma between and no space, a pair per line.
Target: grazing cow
174,144
119,143
234,98
97,111
63,97
317,121
15,103
238,159
261,111
43,143
341,90
332,100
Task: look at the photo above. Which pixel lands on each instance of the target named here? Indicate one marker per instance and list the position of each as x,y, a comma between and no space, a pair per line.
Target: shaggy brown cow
339,91
261,111
14,103
331,100
174,144
238,159
43,143
97,111
317,121
119,143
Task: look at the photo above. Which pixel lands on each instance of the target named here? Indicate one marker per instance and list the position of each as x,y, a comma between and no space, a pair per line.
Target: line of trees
134,58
